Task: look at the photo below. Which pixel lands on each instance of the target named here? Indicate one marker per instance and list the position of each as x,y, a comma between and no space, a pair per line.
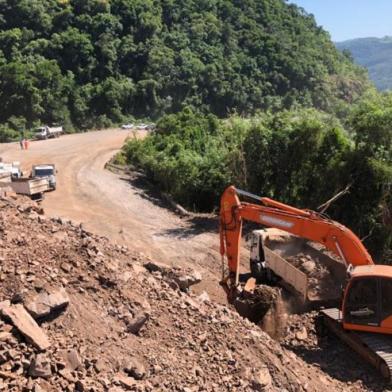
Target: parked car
127,126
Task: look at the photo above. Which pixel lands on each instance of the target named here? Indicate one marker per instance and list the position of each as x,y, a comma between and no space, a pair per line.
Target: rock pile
81,314
321,283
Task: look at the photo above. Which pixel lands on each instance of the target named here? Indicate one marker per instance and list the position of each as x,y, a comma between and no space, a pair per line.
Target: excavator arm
303,223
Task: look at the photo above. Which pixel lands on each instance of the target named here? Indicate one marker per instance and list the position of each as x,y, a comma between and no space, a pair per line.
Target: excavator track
376,349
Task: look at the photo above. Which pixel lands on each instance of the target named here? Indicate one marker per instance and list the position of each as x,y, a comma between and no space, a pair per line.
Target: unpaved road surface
120,208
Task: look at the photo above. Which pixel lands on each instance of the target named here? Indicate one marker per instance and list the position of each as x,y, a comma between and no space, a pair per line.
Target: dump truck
364,318
33,187
314,275
12,168
45,132
48,171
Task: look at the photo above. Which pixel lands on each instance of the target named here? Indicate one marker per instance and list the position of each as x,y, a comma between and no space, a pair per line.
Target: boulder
47,302
302,334
135,368
128,383
40,366
136,323
70,359
261,379
204,297
154,266
22,320
187,280
184,278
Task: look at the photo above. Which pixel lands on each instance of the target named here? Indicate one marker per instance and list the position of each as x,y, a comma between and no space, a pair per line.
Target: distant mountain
376,55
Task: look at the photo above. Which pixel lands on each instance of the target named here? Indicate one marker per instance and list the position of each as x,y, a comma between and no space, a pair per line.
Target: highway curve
116,207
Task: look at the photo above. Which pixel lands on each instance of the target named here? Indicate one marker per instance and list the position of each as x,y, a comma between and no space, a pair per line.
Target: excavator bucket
263,305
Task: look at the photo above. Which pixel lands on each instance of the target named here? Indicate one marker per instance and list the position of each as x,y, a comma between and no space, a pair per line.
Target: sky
347,19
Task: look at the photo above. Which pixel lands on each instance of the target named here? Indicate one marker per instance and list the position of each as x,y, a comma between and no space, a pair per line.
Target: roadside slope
114,326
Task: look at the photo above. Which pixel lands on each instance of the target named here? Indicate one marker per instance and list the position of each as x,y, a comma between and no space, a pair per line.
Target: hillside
376,55
93,62
109,319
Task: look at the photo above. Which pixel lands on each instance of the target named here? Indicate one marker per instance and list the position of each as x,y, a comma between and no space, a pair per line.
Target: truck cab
41,133
12,168
45,171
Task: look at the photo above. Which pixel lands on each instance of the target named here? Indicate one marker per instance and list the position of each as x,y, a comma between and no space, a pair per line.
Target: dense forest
375,54
91,63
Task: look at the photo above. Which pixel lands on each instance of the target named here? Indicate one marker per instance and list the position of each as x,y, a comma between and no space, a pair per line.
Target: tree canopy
87,63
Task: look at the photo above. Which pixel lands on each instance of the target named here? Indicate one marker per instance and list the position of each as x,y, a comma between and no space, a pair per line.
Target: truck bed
30,187
307,270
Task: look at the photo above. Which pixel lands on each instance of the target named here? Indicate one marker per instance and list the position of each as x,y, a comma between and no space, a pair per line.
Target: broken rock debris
110,319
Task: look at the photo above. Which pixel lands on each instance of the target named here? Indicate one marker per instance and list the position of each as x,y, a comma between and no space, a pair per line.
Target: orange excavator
364,320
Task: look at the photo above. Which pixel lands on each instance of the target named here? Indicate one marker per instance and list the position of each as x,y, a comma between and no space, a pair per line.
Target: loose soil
127,325
123,208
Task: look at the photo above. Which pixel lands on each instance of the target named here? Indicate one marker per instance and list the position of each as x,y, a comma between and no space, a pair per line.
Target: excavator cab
361,304
368,300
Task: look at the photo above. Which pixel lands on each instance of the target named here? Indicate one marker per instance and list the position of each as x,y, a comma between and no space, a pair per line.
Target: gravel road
119,208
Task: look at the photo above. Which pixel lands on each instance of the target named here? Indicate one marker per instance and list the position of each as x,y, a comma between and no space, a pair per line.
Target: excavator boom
364,321
304,223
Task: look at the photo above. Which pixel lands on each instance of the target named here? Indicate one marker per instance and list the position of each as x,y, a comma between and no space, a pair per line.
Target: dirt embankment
110,319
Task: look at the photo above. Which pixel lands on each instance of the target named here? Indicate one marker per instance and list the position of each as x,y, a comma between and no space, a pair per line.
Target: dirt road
121,209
